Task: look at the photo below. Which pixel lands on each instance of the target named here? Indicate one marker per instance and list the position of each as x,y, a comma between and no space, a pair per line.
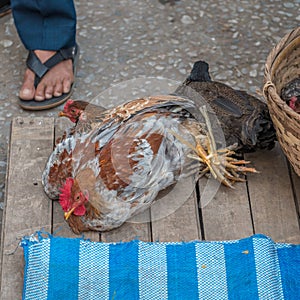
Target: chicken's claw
219,162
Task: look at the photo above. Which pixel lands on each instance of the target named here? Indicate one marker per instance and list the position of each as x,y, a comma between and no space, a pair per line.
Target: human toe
67,85
26,93
58,89
27,90
40,92
49,90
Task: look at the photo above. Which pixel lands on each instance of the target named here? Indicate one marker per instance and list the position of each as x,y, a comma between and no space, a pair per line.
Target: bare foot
55,82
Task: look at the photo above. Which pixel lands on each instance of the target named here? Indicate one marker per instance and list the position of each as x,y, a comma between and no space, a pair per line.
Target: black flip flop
4,7
40,69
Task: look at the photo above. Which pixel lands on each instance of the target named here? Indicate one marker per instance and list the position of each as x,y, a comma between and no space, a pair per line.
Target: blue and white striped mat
251,268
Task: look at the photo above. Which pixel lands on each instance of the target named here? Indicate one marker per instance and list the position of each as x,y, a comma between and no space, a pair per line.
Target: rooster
244,119
114,168
73,110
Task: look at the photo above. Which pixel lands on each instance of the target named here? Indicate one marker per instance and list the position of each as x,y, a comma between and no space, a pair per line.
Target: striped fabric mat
251,268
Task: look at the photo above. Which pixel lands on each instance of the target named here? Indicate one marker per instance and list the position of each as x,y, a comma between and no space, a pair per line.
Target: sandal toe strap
40,69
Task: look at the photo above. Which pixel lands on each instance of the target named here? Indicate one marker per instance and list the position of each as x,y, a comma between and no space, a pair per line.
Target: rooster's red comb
68,103
65,195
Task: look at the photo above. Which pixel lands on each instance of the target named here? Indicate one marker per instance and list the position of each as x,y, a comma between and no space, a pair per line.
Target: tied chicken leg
114,168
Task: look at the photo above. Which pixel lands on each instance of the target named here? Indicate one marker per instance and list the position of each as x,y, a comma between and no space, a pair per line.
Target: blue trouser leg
45,24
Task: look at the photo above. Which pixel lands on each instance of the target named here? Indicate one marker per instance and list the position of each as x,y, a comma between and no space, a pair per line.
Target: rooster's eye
73,110
77,198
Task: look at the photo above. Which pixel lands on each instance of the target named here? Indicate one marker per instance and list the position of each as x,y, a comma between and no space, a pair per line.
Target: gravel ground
131,41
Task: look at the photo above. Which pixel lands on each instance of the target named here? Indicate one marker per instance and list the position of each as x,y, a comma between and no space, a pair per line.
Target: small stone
96,27
187,20
124,74
192,53
276,19
171,60
235,35
159,68
183,71
89,78
288,5
6,43
244,71
253,73
220,77
3,96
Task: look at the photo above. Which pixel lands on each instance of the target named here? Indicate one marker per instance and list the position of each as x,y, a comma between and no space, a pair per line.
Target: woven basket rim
283,61
277,54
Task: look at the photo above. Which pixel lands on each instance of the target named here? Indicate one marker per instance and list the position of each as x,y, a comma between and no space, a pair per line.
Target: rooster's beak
68,213
61,114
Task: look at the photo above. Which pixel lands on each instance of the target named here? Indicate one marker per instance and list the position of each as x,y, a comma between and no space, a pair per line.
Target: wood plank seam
297,201
199,210
26,209
5,203
250,206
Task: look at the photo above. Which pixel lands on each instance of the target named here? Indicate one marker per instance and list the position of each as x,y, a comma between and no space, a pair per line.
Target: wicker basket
282,66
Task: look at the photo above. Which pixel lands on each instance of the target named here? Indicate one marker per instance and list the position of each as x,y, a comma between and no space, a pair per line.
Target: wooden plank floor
267,203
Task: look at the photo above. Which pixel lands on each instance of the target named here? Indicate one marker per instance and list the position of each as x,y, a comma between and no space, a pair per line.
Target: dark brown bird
115,169
244,119
290,93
